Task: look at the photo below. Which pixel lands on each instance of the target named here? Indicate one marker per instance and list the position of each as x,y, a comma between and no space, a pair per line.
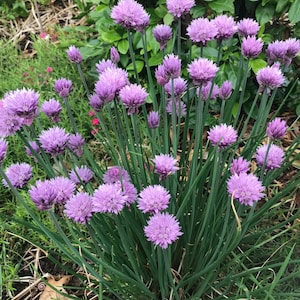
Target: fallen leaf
50,293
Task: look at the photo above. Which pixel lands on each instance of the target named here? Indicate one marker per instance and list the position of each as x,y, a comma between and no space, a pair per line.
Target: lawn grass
32,71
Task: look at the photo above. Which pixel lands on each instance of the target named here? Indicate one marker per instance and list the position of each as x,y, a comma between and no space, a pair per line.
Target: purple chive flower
180,107
133,96
246,188
104,64
153,199
202,30
81,175
116,76
34,145
54,140
179,87
130,15
269,78
22,103
111,81
172,66
251,46
226,27
247,27
116,174
161,75
202,70
274,158
293,47
75,143
18,174
162,230
162,34
63,87
207,92
114,55
96,103
165,165
178,8
109,198
239,165
283,51
79,208
74,55
128,190
64,189
9,124
153,119
105,92
222,135
43,194
276,129
225,90
3,149
52,109
292,50
276,51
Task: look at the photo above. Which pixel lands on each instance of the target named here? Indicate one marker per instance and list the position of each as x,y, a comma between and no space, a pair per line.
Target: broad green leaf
110,36
83,28
198,11
155,60
87,52
168,19
235,109
210,52
294,12
264,2
267,38
149,99
100,7
257,64
139,66
161,11
152,44
228,72
123,46
281,5
264,13
219,6
97,13
107,2
124,59
98,2
298,110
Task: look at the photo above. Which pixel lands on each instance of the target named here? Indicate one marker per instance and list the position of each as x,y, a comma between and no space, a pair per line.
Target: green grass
17,71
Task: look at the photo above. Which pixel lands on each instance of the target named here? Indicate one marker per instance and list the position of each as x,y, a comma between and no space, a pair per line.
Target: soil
41,19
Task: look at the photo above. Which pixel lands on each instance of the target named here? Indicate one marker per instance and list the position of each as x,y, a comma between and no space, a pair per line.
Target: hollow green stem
83,80
168,270
262,171
149,75
241,99
179,37
70,114
131,52
100,254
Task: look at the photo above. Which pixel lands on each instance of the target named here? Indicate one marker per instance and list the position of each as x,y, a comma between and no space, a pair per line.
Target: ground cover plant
182,207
